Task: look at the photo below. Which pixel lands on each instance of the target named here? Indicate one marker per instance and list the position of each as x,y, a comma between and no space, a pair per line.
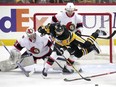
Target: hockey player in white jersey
73,22
70,18
38,47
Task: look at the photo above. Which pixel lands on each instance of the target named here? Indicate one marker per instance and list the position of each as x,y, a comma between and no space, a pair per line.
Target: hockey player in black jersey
75,45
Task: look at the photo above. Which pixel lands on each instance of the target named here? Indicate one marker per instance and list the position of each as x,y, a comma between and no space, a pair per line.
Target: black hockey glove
78,33
42,31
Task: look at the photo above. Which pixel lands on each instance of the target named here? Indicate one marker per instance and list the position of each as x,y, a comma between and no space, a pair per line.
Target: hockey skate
80,70
44,73
96,47
101,32
67,71
70,71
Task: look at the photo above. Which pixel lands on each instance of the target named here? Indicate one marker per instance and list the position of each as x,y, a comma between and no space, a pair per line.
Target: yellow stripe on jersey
67,41
92,38
78,38
84,51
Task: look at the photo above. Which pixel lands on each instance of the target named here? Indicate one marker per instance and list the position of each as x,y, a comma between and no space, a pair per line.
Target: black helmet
59,29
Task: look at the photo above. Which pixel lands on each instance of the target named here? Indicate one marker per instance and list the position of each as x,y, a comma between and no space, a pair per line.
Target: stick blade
69,80
87,79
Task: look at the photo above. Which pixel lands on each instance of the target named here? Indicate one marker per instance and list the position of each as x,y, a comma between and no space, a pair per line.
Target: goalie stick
24,71
110,36
69,80
87,79
27,74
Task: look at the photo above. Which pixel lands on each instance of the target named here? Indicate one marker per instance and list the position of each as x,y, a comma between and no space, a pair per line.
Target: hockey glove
42,31
78,33
61,51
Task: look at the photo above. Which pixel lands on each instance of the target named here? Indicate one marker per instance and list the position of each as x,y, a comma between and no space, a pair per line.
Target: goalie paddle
110,36
23,70
69,80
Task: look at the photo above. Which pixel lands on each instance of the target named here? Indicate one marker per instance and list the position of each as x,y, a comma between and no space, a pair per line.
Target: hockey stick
24,71
59,64
5,47
69,80
87,79
110,36
27,74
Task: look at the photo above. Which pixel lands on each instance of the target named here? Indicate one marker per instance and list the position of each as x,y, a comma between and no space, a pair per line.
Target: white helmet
31,34
70,7
30,31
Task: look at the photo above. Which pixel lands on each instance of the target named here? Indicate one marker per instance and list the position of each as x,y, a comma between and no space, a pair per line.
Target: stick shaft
92,76
110,36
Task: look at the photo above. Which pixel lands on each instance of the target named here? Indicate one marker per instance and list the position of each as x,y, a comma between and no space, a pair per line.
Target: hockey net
91,21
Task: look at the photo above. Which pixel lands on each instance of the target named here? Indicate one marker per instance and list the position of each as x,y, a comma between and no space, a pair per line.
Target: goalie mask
31,34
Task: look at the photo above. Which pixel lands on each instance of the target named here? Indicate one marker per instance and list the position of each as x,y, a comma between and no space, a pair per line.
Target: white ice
16,78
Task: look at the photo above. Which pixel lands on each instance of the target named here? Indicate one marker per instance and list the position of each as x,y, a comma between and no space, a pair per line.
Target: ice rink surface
16,78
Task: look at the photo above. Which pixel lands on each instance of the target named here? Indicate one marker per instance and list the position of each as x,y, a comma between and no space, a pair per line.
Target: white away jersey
39,48
64,19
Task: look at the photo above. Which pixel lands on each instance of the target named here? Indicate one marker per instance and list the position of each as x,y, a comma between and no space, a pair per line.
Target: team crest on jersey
35,50
70,26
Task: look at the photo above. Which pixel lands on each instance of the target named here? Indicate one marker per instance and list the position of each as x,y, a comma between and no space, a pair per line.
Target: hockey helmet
59,29
70,7
31,34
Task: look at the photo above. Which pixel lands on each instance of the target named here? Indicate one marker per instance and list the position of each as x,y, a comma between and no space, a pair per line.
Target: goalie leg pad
14,56
27,61
7,65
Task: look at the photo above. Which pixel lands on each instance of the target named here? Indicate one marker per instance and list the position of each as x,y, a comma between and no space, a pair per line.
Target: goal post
97,20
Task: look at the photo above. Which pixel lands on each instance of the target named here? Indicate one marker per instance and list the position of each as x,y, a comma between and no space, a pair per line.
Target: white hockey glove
14,56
